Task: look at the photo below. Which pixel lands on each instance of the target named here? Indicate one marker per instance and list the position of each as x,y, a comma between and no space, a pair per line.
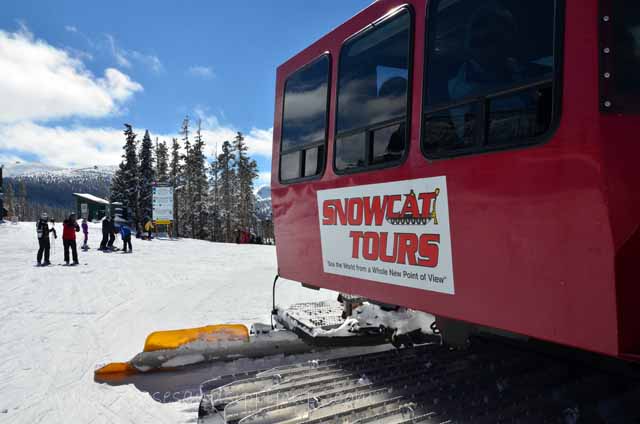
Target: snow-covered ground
58,323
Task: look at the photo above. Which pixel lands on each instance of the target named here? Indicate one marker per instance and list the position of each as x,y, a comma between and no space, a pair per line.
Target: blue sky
71,72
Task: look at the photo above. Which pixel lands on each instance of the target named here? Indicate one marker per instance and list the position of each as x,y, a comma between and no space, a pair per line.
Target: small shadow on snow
166,386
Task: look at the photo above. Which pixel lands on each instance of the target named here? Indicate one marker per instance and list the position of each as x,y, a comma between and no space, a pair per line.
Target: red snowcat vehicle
464,173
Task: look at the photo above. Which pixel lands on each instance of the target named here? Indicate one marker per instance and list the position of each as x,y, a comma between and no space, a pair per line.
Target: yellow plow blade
173,339
121,368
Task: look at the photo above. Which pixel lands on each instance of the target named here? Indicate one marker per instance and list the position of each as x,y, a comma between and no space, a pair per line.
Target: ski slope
58,323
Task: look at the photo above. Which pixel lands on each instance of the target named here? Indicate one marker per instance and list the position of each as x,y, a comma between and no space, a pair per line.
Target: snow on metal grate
325,314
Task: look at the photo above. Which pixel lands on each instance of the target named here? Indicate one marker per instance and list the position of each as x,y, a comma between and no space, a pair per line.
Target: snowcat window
620,56
373,95
304,121
490,75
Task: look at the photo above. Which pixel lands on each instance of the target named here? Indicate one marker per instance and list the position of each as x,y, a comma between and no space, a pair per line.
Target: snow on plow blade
173,339
163,348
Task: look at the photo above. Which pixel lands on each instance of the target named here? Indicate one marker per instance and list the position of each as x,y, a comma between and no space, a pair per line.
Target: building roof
91,198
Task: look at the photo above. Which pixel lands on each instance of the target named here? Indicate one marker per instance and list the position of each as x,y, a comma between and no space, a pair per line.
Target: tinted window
489,74
304,121
373,88
305,105
290,166
622,64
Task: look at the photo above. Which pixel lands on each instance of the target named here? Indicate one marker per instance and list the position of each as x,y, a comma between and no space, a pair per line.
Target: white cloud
41,82
65,147
118,54
205,72
71,28
260,141
87,146
214,133
119,85
264,179
124,57
149,60
8,159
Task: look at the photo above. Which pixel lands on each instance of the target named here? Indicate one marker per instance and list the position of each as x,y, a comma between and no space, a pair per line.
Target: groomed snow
58,323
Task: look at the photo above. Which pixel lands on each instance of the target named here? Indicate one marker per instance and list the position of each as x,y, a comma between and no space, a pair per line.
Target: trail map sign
395,233
163,204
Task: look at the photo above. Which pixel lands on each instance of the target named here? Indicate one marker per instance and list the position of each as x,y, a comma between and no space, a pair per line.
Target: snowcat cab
472,161
514,122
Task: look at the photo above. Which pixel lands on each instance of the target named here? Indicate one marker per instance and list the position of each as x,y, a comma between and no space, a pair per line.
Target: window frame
324,144
483,101
369,129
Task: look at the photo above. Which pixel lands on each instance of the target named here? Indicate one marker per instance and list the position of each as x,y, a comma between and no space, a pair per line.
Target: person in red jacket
70,228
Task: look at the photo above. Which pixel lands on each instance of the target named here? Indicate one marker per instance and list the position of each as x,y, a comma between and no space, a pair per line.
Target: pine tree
214,199
22,200
118,188
199,185
175,177
130,175
162,165
228,213
146,178
247,172
185,206
9,200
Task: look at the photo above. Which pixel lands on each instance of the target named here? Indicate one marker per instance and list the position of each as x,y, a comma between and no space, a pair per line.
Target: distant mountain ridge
54,186
263,202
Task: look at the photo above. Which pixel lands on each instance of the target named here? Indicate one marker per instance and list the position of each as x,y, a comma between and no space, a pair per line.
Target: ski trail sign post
162,206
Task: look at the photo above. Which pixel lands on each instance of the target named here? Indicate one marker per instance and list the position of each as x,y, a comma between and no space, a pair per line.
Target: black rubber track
490,382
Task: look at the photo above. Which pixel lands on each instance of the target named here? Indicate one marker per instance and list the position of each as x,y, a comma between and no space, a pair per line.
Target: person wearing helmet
44,245
70,228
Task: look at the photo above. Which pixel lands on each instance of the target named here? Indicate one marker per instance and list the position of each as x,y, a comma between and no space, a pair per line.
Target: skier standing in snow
85,231
125,233
44,245
106,230
112,234
148,227
70,228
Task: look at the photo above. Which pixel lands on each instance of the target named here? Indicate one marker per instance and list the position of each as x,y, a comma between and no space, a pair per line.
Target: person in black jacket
44,245
112,234
107,229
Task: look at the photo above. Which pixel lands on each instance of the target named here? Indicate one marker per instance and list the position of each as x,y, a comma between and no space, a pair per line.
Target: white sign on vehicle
163,203
395,233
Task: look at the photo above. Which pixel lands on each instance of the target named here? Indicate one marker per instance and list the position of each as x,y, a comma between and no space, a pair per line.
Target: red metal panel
534,231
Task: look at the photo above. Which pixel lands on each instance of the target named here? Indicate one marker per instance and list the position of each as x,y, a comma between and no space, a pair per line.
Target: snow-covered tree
146,178
130,173
162,162
227,191
21,200
185,205
247,172
198,185
214,200
175,177
9,199
117,185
